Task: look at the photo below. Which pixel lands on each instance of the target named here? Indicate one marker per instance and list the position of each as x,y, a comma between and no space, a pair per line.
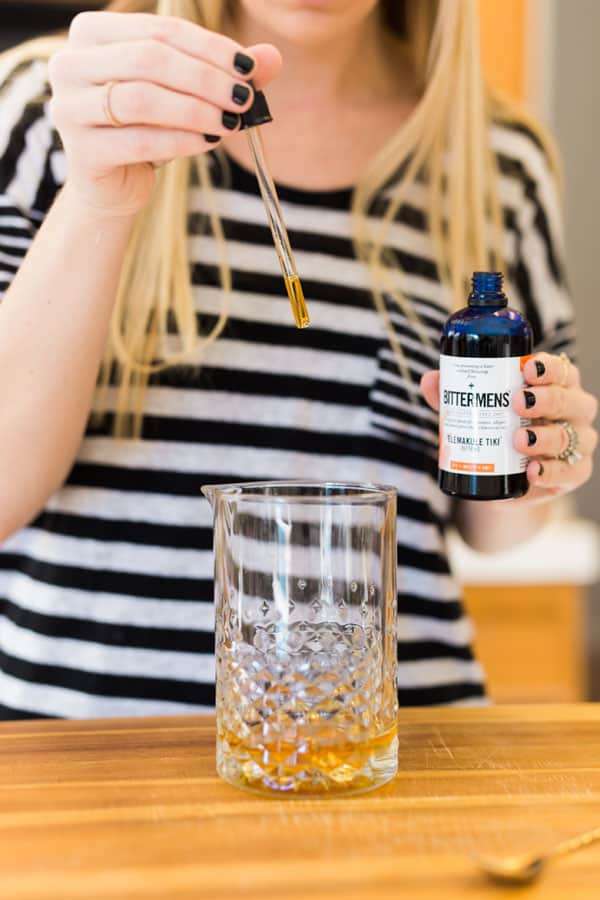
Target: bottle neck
497,299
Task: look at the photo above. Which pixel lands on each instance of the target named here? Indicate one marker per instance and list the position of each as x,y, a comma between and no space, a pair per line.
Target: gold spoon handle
574,843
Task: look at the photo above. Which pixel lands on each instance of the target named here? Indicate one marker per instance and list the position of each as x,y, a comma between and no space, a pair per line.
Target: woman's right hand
173,84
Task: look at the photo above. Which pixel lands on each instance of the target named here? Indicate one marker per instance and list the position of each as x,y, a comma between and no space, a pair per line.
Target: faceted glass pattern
305,592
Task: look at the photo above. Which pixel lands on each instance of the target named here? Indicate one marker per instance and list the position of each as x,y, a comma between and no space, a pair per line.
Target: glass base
314,768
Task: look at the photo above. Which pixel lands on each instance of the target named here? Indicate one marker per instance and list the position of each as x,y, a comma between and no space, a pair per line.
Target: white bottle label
477,419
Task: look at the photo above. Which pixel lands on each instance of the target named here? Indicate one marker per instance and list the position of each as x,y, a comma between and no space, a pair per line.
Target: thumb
430,388
268,64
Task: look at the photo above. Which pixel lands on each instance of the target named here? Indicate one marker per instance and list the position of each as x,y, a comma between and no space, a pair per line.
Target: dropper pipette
258,114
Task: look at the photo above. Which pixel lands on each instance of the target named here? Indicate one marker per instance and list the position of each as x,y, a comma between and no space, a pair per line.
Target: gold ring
106,105
566,363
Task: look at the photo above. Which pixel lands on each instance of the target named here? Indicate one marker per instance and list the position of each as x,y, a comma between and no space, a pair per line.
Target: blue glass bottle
482,350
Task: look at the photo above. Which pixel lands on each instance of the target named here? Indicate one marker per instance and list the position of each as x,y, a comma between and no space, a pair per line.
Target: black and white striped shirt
106,598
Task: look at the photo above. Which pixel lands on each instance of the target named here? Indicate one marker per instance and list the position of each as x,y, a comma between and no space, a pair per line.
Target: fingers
553,402
174,88
268,63
156,64
430,388
545,368
162,72
144,73
550,440
113,147
142,103
93,28
558,475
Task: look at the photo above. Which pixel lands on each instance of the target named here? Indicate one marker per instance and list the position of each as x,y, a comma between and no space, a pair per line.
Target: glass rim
350,492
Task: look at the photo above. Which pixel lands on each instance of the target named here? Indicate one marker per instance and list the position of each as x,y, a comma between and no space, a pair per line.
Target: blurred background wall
575,116
538,633
545,52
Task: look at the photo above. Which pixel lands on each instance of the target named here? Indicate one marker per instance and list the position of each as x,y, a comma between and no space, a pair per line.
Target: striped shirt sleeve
537,270
31,162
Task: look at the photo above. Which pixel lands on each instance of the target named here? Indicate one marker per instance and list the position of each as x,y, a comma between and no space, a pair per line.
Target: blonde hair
447,131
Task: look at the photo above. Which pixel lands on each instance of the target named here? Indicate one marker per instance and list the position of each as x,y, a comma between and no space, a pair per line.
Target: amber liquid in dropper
296,297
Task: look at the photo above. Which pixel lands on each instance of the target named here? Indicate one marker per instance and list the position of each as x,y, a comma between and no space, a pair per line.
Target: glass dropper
258,114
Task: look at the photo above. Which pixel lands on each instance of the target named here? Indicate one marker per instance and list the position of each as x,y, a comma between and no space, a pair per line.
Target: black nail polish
531,437
240,94
540,368
529,399
541,471
230,120
211,138
242,63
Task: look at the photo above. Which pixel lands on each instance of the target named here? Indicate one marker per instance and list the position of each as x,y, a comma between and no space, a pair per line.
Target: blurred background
536,609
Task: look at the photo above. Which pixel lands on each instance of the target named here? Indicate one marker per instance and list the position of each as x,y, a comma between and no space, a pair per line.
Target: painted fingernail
211,138
540,469
242,63
531,437
540,368
529,397
230,120
240,94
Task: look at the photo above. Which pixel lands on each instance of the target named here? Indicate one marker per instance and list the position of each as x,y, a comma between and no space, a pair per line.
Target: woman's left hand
552,398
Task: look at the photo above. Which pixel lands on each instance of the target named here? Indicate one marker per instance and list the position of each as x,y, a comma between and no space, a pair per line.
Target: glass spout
210,491
213,491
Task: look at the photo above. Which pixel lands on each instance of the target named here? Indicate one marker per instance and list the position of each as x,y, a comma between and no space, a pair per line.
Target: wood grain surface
132,808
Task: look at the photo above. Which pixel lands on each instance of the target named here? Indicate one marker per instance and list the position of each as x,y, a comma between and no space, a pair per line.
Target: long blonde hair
451,122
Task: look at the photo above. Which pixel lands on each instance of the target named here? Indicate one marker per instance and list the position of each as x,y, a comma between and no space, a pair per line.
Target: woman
132,271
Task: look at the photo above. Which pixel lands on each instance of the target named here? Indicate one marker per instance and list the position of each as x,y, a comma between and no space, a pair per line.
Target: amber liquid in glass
310,765
311,723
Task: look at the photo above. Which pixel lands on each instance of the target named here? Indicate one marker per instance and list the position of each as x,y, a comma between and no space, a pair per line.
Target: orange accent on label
524,360
456,466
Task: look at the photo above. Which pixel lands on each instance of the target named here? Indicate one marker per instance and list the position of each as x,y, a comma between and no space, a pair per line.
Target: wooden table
132,808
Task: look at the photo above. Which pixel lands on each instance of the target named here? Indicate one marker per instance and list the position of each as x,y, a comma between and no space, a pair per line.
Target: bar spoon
526,867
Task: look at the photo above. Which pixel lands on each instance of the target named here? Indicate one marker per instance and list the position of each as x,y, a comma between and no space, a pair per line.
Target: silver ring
570,454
